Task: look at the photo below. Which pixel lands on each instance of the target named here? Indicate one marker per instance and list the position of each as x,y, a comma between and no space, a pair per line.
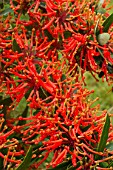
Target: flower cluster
45,46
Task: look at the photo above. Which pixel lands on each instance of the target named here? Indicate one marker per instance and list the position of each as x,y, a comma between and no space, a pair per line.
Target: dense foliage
46,47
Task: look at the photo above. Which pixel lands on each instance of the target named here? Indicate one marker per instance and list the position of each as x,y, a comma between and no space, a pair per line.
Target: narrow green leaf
107,23
62,166
111,164
71,168
79,163
104,137
25,164
100,52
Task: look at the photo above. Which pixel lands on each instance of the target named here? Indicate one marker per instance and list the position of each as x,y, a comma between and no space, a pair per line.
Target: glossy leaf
110,146
104,137
107,23
25,164
103,164
6,11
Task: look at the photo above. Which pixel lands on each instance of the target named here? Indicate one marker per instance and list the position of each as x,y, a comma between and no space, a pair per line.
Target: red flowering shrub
46,47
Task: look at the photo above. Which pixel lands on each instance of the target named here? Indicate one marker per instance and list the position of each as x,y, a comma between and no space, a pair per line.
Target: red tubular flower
60,157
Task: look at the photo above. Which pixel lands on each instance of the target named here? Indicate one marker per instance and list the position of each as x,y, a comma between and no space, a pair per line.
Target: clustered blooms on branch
42,58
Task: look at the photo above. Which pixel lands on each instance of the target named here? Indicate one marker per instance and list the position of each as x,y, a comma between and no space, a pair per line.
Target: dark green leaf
6,11
42,4
110,146
25,164
71,168
111,164
104,137
110,68
6,101
79,163
1,5
67,34
107,23
99,60
84,128
48,34
15,46
4,151
100,52
103,164
62,166
101,74
24,114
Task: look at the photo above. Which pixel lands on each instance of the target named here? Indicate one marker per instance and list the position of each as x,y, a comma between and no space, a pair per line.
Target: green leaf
104,137
67,34
101,74
1,5
48,34
79,163
25,164
59,55
111,164
103,164
101,10
107,23
6,101
110,68
15,46
6,11
24,17
24,114
62,166
110,146
103,38
99,60
100,52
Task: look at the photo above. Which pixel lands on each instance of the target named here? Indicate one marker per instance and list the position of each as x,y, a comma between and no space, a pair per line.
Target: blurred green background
101,90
